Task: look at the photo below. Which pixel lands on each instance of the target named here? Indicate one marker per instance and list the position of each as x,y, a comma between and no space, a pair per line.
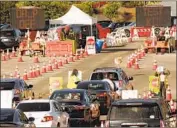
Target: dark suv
10,38
140,113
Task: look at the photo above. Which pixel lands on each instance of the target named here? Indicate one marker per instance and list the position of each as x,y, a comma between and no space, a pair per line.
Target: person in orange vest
73,80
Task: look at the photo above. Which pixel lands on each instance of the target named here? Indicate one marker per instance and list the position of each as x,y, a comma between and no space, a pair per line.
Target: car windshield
7,85
6,116
105,75
123,112
75,96
34,107
92,86
7,33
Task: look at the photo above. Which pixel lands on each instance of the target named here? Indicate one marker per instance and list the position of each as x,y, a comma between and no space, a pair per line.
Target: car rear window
7,33
123,112
6,116
34,107
105,75
92,86
7,85
75,96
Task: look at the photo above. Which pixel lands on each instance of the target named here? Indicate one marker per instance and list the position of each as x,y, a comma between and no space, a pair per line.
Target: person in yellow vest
73,80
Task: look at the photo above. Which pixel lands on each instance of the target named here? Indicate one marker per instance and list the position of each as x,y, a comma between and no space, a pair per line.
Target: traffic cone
8,54
168,94
31,74
25,76
20,58
3,57
50,67
76,56
154,67
36,59
149,94
139,54
128,63
60,64
71,59
44,70
144,95
54,59
18,75
81,54
86,53
38,73
34,72
136,65
16,71
65,60
11,75
13,53
142,53
56,65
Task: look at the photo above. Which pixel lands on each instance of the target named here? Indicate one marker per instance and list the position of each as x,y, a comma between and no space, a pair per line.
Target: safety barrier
142,31
60,48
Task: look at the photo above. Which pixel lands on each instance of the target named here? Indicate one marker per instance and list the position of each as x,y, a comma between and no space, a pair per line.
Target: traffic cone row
13,54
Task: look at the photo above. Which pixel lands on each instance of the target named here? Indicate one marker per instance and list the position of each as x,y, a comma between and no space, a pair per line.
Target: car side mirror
130,78
31,119
30,86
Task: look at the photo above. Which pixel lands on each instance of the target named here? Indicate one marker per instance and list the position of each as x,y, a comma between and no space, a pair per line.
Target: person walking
73,80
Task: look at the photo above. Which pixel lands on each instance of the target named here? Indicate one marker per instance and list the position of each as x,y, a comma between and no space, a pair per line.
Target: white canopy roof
74,16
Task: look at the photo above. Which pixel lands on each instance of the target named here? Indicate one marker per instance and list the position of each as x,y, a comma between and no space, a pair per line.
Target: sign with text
27,17
55,83
153,16
90,45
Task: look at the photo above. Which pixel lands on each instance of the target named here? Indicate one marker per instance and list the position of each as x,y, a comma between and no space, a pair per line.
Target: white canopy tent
74,16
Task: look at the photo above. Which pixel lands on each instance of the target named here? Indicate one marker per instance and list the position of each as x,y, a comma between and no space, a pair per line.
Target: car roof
37,100
107,69
10,79
19,83
70,90
8,110
143,101
93,81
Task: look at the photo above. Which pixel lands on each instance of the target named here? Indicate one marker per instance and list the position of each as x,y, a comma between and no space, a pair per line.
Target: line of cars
94,99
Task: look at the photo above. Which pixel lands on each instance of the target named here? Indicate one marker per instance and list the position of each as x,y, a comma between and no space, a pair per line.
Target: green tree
85,7
4,11
110,9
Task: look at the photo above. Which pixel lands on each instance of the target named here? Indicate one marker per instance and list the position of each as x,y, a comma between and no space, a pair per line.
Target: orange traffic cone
34,72
56,65
128,63
36,59
31,74
54,59
76,56
25,76
149,94
11,75
154,67
65,60
144,95
60,63
168,94
38,73
13,53
71,59
18,75
16,71
20,58
86,53
81,54
44,70
50,67
3,57
139,54
136,65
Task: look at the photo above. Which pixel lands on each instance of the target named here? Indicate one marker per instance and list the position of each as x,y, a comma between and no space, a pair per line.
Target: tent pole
91,30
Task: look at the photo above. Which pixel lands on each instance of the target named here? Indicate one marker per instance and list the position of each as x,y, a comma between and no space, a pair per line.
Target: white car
46,113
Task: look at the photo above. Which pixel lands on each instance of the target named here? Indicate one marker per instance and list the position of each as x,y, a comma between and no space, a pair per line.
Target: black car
139,113
19,88
10,38
15,118
77,104
101,91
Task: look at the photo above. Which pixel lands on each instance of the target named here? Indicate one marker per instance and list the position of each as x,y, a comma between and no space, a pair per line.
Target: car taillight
162,124
17,91
79,107
101,94
47,118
